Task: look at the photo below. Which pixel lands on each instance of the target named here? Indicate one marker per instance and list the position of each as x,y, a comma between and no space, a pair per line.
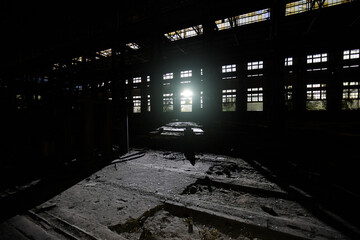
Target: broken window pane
168,102
133,46
307,5
103,53
351,96
185,33
229,100
316,96
243,19
136,104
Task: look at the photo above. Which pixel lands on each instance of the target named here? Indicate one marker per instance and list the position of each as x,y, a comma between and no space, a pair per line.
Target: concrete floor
153,194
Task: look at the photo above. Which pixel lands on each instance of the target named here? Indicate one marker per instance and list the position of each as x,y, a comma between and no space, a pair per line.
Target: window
288,101
229,100
168,102
76,60
186,101
168,76
201,99
316,96
186,73
185,33
351,54
148,103
228,68
307,5
136,104
56,66
103,53
133,46
137,80
288,61
254,99
352,57
350,96
244,19
147,78
258,65
296,7
255,65
288,92
317,58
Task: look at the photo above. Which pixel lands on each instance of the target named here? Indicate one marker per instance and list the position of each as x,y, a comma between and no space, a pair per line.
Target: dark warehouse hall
180,119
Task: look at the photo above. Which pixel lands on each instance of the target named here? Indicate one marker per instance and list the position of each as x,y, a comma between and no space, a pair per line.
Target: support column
274,64
156,80
211,75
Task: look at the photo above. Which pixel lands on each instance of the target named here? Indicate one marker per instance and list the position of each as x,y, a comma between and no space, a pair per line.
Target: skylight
133,46
185,33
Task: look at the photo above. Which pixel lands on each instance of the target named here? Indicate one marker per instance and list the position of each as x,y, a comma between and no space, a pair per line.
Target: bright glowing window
168,76
255,65
133,46
243,19
317,58
137,80
186,101
228,68
186,73
307,5
351,54
185,33
104,53
288,61
148,103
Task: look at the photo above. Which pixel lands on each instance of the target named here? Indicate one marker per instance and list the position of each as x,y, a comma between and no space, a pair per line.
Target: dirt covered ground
154,194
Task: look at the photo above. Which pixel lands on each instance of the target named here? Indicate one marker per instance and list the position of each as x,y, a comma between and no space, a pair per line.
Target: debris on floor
153,194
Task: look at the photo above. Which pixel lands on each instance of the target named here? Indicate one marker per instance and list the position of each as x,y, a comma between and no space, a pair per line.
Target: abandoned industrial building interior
181,119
